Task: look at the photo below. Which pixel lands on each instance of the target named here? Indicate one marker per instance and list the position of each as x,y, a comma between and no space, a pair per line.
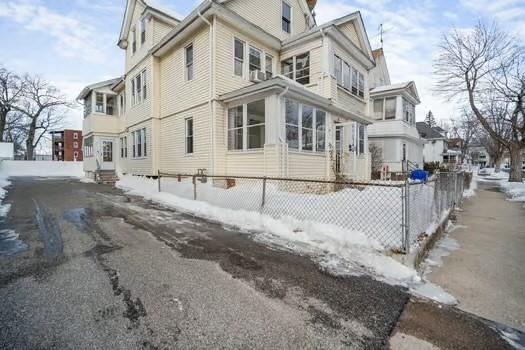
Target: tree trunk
497,164
515,163
3,117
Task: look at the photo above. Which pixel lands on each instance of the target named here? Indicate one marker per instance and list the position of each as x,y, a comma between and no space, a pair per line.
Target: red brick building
67,145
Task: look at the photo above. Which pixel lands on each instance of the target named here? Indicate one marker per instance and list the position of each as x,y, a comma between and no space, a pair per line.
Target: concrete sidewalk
486,274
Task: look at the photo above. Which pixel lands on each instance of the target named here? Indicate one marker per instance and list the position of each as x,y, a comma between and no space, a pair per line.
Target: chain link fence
394,213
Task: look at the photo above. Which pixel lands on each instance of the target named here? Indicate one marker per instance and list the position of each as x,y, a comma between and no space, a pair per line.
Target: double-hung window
144,85
354,81
142,31
139,143
361,139
378,108
189,135
133,40
238,61
286,17
189,62
305,127
346,76
88,147
123,147
361,85
390,108
297,68
133,95
99,102
338,69
139,88
246,126
254,59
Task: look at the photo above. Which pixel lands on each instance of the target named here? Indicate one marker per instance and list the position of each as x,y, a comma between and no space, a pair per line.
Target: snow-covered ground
340,250
515,190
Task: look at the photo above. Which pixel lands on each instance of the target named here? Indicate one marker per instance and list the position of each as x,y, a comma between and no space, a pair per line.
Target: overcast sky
72,43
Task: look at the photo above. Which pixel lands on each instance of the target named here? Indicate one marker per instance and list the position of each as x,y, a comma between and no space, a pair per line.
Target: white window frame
187,136
261,58
135,135
236,59
189,67
314,129
291,17
75,136
124,147
294,68
245,127
139,92
88,147
268,58
75,144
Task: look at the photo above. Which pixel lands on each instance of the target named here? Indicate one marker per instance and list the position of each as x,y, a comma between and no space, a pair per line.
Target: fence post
194,187
158,179
407,218
263,193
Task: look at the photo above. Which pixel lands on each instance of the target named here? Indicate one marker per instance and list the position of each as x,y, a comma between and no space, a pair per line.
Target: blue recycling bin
419,175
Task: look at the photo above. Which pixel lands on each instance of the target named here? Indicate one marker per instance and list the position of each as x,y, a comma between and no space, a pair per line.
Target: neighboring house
7,151
43,157
479,156
66,145
436,147
236,88
392,107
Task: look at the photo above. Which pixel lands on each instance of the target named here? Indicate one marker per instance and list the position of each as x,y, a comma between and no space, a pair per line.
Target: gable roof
408,87
304,6
154,7
428,132
85,91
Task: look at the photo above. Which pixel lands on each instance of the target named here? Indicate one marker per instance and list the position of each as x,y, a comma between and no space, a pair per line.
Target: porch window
189,62
390,108
297,68
88,147
355,83
320,130
361,139
256,120
346,76
292,124
235,128
361,85
99,102
286,17
189,135
338,69
238,61
305,127
254,59
246,126
110,104
87,105
378,108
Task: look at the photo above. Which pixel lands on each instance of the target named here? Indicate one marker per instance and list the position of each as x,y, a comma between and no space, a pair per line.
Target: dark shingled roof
428,132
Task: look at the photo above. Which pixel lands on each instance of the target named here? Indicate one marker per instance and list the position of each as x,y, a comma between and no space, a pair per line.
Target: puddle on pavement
10,243
77,217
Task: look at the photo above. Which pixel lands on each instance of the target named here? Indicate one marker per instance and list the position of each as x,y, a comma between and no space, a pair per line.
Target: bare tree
486,60
464,129
11,90
41,110
376,158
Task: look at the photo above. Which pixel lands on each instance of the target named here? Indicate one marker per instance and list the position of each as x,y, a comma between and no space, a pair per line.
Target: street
95,268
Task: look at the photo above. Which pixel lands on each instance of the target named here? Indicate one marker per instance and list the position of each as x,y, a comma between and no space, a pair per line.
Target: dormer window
287,17
142,31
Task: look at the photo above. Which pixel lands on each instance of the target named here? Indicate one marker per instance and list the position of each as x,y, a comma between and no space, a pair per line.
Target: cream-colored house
235,88
393,110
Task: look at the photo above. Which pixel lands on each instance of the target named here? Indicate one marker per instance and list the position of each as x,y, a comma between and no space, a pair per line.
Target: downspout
211,91
279,97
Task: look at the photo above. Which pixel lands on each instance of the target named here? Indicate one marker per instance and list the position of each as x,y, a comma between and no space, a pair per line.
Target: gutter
211,87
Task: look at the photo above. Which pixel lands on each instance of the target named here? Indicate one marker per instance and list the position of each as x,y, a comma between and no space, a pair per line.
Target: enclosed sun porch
279,128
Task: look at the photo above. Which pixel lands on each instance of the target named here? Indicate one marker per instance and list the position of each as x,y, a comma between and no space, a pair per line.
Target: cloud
73,38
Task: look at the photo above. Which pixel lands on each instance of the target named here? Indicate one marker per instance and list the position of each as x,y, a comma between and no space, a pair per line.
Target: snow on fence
395,214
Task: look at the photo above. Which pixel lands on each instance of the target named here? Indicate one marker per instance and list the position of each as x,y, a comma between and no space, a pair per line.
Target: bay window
338,69
348,77
390,108
378,108
99,102
246,126
305,127
297,68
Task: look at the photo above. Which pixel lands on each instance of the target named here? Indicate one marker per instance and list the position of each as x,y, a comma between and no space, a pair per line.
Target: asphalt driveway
85,266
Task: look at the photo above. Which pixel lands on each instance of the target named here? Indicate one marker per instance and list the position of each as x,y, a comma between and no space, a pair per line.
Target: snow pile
10,168
515,190
339,250
471,191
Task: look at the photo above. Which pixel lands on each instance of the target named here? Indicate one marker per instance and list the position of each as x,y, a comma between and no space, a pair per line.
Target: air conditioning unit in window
257,76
